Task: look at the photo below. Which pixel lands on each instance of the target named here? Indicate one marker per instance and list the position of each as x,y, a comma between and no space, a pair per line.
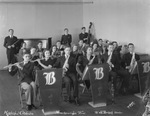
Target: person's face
66,32
115,45
131,48
80,43
47,54
100,42
75,48
67,51
24,45
83,30
110,48
58,44
11,32
39,45
89,50
26,57
54,49
95,46
33,50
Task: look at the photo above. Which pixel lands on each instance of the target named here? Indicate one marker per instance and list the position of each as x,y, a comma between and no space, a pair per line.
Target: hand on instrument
127,67
81,74
18,65
49,66
9,47
12,46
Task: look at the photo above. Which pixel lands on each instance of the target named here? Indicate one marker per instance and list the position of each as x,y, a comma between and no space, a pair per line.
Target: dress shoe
29,107
76,100
33,106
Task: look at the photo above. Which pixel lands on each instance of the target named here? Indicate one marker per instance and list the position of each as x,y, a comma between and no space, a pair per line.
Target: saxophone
65,66
133,64
109,61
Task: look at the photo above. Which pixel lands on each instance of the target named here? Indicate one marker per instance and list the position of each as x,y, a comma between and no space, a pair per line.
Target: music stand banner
144,75
98,75
50,82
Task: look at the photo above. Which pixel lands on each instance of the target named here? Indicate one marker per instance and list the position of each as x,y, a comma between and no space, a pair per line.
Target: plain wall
121,20
40,20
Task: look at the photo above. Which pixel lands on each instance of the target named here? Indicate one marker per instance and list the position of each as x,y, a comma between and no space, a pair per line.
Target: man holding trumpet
26,79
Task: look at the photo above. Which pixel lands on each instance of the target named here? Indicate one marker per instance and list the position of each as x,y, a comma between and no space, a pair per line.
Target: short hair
110,44
66,29
100,39
58,41
83,28
114,42
130,44
10,30
89,47
26,53
40,42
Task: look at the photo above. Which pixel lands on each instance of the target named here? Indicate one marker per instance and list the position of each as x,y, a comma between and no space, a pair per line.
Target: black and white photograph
74,57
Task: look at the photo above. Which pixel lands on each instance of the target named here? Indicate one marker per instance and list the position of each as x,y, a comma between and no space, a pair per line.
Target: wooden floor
9,103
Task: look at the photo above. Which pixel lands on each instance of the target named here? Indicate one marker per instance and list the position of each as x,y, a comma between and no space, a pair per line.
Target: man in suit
126,59
112,58
68,63
26,79
10,45
83,35
66,39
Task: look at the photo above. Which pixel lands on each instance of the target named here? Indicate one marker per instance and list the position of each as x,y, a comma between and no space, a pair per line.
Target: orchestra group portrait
73,59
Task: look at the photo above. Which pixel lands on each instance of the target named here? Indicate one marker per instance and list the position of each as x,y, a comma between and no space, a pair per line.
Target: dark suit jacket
66,39
25,75
72,63
83,36
126,59
9,41
114,60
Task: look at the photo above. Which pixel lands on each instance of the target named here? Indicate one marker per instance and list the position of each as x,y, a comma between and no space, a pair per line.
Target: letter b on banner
50,78
99,74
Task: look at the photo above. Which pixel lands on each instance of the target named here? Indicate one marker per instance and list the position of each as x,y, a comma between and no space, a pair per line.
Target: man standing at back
10,44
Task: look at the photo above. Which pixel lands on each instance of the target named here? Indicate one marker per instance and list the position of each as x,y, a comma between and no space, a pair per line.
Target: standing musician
26,80
88,59
47,62
83,35
10,44
68,62
114,62
66,39
130,59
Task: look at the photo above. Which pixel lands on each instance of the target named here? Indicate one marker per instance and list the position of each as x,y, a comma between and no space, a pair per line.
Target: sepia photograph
74,58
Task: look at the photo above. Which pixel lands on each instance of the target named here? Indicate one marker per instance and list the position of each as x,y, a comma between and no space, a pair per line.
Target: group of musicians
72,59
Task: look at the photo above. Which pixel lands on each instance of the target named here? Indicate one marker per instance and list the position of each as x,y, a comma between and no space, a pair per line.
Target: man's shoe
29,107
76,100
33,106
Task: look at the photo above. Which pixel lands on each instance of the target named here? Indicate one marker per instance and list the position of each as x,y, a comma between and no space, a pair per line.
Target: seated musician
26,80
113,60
48,61
67,62
88,59
82,47
129,59
75,52
100,46
60,48
97,51
40,49
54,53
83,35
22,50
